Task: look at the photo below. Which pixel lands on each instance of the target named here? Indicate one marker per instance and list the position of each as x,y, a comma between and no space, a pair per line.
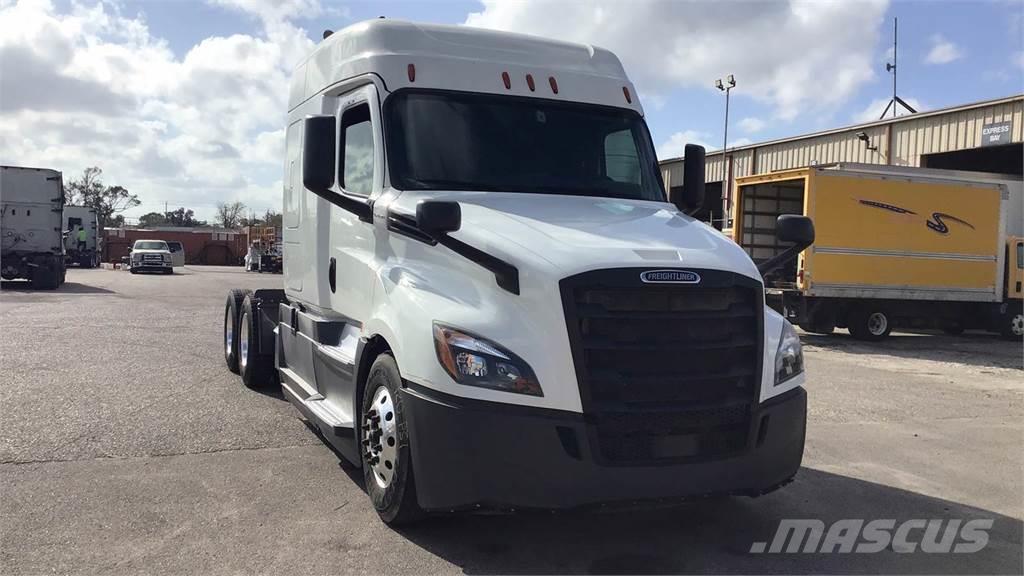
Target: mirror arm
364,210
781,258
506,275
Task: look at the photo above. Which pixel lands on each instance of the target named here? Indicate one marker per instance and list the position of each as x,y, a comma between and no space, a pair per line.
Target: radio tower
896,100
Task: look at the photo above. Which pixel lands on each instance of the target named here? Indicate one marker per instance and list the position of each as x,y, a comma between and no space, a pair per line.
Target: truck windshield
150,245
459,141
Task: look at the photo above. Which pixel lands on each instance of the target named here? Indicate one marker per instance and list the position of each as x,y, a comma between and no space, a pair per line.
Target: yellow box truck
895,247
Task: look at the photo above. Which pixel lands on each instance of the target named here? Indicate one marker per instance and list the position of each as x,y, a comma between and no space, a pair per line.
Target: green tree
108,201
152,219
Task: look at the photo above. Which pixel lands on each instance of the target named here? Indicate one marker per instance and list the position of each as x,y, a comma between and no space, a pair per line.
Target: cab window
1020,254
355,171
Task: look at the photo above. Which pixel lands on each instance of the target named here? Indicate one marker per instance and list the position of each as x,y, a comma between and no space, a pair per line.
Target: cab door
350,269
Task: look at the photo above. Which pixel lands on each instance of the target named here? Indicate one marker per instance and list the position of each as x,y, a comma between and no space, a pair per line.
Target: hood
578,233
148,251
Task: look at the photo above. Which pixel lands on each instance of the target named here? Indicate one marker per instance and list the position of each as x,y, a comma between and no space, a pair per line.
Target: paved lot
127,446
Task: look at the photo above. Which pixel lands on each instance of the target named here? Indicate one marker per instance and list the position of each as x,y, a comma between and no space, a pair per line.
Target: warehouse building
984,136
213,246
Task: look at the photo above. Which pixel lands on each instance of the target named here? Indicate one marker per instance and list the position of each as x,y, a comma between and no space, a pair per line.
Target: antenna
896,100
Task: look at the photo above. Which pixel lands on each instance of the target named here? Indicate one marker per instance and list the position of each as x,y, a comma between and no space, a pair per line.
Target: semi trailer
81,236
896,247
489,301
31,239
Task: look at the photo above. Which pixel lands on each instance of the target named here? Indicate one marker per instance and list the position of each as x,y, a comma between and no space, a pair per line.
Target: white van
489,300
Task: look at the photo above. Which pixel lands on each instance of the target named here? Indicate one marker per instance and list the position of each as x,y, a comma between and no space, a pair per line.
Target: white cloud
875,108
91,86
943,51
752,125
673,147
782,53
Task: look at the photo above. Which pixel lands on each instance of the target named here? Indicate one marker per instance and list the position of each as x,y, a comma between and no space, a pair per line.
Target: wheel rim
243,342
380,441
229,332
1017,325
877,323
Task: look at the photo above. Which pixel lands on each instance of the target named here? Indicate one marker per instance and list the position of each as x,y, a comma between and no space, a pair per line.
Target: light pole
730,83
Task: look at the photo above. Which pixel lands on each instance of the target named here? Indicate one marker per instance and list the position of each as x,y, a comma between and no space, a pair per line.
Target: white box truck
489,301
31,240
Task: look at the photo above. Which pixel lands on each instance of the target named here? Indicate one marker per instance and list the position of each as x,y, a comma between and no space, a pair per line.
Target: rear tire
953,328
232,310
386,451
1012,325
46,276
256,370
869,323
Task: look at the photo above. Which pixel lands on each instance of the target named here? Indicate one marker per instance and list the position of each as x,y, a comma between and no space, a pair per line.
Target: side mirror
319,157
319,151
436,218
691,198
789,228
796,229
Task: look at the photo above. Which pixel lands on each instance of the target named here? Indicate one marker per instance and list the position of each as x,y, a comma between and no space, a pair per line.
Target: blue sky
162,115
987,34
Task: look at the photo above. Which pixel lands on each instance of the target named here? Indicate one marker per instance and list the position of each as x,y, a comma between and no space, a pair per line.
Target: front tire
387,458
232,311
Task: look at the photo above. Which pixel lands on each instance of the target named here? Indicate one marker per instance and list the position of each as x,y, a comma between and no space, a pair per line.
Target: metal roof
866,125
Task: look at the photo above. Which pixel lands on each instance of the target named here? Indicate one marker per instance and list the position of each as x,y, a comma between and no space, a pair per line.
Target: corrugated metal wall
953,131
911,137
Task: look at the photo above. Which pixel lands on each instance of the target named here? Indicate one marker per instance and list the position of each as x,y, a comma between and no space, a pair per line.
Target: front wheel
869,323
387,461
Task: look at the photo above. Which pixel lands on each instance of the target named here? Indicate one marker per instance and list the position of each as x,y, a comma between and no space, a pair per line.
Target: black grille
666,371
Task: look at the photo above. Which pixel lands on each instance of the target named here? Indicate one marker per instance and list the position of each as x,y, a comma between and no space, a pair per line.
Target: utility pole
730,83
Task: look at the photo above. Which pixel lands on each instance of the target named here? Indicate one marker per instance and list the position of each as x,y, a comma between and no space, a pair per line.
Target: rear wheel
47,275
1013,325
869,323
953,328
255,369
232,310
387,459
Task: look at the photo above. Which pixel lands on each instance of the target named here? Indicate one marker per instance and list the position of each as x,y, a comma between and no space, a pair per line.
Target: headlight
789,358
167,257
473,361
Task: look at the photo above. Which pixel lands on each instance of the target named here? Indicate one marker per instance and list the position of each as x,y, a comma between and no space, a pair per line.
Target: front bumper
468,453
151,265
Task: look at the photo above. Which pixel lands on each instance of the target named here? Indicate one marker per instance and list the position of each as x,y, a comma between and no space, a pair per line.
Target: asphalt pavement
126,446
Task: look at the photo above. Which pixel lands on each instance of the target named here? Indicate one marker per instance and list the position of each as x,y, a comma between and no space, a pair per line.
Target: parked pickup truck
150,256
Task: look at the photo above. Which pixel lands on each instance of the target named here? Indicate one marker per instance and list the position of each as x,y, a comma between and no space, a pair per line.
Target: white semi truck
489,300
31,240
83,252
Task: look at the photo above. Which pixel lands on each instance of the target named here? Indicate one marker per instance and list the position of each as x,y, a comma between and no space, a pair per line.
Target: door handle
331,274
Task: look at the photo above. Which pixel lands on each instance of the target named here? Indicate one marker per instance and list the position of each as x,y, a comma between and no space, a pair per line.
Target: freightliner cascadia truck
896,247
489,301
